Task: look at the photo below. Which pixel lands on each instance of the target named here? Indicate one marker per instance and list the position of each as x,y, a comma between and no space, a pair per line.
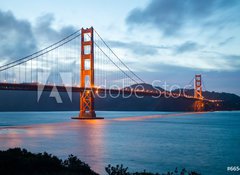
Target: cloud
187,55
20,38
17,38
226,41
203,61
176,75
188,46
171,17
137,48
44,29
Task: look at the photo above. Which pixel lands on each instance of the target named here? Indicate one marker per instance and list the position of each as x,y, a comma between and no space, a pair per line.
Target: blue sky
168,40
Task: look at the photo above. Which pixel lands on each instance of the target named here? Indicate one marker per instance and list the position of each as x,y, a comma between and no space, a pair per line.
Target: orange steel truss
198,104
198,87
87,74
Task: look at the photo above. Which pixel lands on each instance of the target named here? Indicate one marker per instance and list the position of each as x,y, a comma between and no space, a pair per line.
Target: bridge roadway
127,91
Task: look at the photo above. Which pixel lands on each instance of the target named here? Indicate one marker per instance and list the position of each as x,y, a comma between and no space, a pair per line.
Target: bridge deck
63,88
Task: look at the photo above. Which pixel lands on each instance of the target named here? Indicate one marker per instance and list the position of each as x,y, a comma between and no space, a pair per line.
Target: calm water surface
155,141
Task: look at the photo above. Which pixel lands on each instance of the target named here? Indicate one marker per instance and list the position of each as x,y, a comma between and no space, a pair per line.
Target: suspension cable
115,63
38,51
119,58
31,58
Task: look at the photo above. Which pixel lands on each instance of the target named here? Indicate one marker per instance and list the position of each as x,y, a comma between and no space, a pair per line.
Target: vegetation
21,162
120,170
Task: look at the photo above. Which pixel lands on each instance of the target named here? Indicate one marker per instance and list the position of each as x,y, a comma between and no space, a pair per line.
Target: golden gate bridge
94,66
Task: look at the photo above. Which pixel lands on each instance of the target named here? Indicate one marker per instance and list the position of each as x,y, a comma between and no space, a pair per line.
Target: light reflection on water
155,141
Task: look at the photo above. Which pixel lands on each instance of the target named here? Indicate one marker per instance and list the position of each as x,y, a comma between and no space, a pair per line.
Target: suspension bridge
84,62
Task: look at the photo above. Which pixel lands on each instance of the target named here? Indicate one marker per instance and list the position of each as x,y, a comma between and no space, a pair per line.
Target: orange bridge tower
198,87
198,104
87,110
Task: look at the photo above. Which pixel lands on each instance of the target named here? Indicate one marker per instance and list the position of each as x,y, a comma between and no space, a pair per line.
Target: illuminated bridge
85,63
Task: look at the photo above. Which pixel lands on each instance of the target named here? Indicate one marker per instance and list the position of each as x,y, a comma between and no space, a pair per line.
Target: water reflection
151,141
9,138
90,140
139,118
82,138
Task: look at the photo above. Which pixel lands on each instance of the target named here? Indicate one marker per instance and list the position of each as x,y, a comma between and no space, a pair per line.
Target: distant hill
19,100
230,101
145,86
227,97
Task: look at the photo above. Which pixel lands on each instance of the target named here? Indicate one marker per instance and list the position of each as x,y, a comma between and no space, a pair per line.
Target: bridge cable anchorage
31,58
119,58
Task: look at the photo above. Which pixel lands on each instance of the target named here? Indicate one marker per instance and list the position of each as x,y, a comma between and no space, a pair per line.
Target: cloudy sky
168,40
